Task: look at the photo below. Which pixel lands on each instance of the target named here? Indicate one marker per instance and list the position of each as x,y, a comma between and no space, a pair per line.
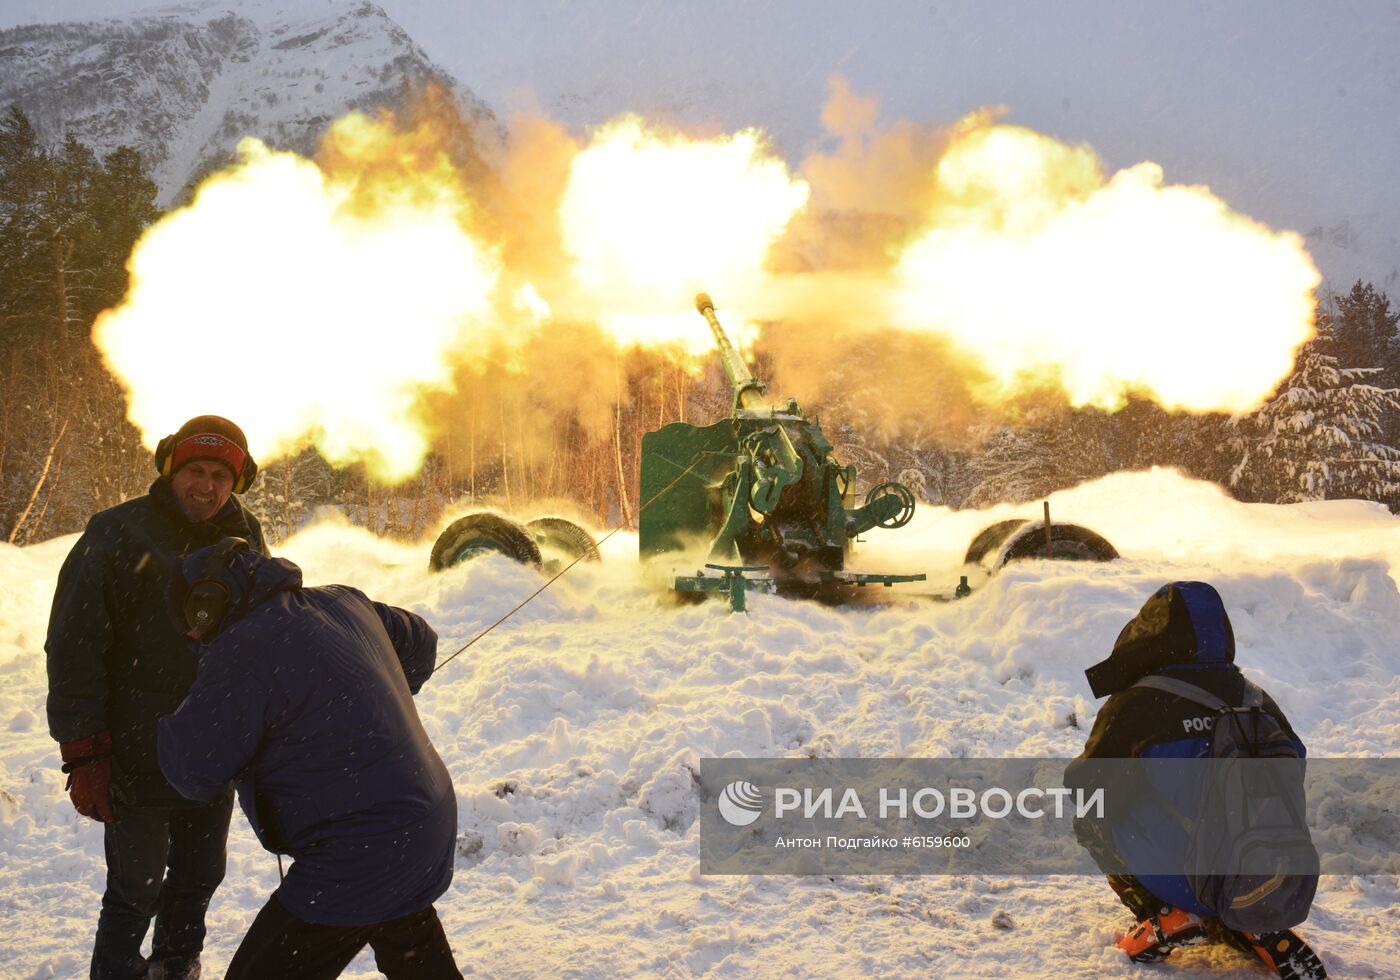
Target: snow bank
573,729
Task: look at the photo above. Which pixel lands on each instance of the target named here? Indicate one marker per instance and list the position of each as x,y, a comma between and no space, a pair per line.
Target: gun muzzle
703,304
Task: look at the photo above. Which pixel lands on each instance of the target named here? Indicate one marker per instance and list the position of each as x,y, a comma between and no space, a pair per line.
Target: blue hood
1183,624
251,579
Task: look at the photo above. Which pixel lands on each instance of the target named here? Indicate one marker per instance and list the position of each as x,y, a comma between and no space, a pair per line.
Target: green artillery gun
759,489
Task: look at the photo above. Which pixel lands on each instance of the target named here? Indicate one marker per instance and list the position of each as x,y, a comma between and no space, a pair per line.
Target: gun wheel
1008,541
1068,542
990,537
557,534
481,534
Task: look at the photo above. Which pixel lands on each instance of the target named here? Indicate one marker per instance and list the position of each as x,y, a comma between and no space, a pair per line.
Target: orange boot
1155,937
1286,954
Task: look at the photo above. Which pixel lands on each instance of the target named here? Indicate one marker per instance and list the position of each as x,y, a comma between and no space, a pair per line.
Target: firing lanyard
557,575
524,602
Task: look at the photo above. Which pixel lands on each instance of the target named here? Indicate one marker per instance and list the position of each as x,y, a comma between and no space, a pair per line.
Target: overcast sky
1289,111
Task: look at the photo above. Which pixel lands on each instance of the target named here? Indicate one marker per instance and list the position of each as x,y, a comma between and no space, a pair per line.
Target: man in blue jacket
1181,632
304,699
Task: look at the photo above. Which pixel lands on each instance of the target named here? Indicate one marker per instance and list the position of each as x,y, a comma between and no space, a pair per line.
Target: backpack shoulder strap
1253,695
1183,689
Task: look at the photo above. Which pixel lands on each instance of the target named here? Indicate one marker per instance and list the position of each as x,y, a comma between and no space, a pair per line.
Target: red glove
88,763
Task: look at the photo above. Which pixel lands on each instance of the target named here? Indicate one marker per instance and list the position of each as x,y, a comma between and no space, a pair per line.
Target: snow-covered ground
571,728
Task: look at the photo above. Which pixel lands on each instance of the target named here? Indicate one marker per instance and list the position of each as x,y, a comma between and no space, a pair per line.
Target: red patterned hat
205,437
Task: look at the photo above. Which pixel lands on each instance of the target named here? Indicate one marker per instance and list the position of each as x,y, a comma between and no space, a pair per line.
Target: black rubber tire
561,535
991,537
1068,542
480,533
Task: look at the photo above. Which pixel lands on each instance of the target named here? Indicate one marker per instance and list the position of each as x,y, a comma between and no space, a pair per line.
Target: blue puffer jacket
1182,631
304,700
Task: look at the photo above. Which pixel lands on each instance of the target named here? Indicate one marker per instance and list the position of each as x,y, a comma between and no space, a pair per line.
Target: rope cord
557,575
546,585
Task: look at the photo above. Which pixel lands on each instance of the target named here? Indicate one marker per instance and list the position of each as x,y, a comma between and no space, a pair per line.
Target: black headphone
207,601
165,463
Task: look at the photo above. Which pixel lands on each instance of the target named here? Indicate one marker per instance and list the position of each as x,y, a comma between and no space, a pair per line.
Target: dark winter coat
1184,632
304,698
115,659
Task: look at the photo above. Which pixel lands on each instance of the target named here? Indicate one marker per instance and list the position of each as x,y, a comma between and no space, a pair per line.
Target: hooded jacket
1182,631
115,661
304,700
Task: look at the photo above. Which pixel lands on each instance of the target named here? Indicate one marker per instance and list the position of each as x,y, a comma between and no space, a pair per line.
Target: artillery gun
761,491
757,492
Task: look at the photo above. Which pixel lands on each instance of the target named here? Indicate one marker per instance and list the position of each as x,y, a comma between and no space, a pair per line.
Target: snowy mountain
184,84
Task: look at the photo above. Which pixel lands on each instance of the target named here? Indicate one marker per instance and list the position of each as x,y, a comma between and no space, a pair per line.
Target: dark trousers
279,946
162,862
1141,902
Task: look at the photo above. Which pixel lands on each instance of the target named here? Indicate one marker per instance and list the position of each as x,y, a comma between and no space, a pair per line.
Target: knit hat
205,437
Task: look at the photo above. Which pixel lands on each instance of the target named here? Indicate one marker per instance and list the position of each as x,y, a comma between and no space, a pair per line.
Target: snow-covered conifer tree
1057,449
1319,437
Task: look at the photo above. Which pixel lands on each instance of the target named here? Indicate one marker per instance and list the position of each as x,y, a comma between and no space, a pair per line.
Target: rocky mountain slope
184,84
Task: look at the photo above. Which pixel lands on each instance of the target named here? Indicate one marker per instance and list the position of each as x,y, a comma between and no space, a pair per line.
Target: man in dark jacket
115,664
1181,632
304,698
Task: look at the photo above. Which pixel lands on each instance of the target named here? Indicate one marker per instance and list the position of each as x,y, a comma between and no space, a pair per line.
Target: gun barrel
747,388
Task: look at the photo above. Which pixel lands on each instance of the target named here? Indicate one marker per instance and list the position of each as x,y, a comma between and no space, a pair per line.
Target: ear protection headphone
165,463
207,601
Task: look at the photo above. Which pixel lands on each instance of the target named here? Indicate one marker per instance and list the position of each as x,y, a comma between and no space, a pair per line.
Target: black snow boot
175,968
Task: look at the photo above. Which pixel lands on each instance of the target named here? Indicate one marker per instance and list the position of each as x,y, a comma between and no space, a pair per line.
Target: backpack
1249,854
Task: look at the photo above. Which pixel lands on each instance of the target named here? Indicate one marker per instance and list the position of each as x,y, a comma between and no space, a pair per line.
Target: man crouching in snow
304,700
1171,681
